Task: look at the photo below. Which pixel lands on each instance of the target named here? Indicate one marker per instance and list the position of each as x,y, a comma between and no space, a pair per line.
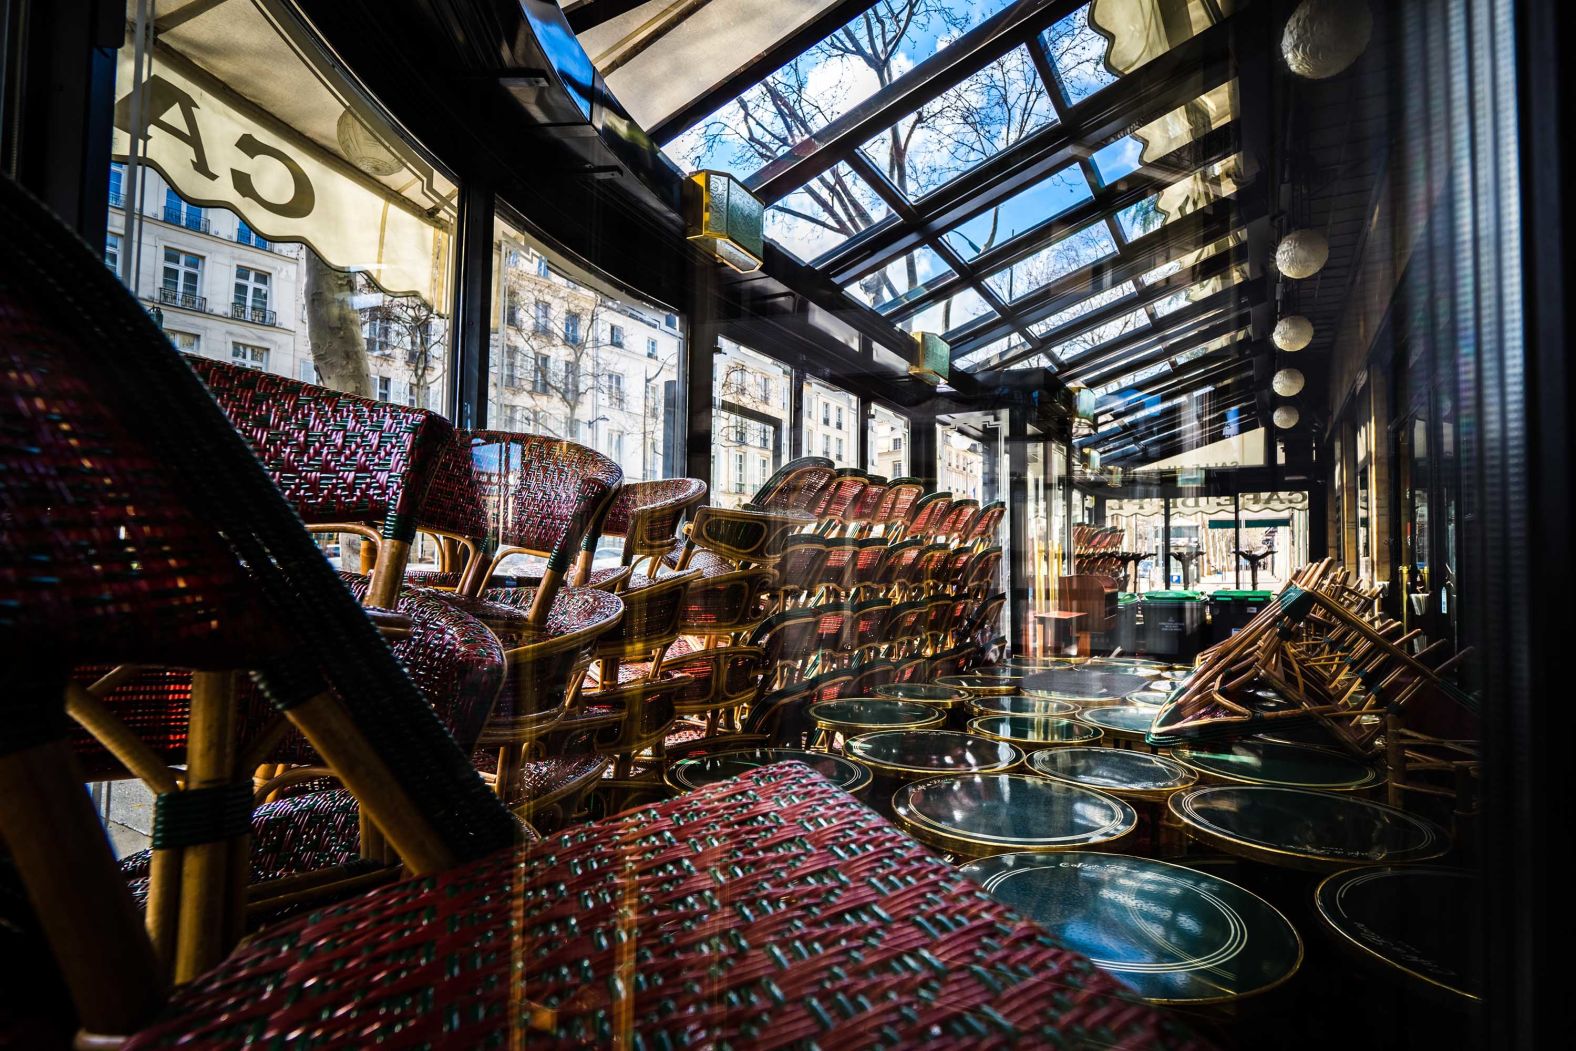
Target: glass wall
888,443
831,424
751,434
572,361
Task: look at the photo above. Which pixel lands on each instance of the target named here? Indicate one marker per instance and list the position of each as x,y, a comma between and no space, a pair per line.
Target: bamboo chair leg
211,894
78,892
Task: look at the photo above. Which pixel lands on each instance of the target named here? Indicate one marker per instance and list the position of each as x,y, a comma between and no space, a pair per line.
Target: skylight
824,213
1055,260
900,281
1019,213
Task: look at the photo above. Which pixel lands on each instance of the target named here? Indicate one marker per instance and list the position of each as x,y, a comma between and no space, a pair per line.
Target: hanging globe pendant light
1302,253
1324,37
1292,333
1288,383
1286,417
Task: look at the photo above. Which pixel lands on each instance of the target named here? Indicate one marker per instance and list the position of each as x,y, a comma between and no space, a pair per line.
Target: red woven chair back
837,571
928,512
788,637
863,510
336,457
727,603
647,514
795,486
906,621
800,567
897,502
838,497
898,566
914,669
985,524
869,675
868,624
980,575
869,557
955,524
832,627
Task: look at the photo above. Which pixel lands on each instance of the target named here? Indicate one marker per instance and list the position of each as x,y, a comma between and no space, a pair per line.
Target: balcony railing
189,220
117,200
185,300
256,315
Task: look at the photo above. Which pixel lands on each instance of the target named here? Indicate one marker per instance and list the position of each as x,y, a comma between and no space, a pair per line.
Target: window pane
1096,45
888,443
1023,211
978,118
898,282
828,423
591,379
750,415
958,309
824,213
347,286
1182,197
1059,259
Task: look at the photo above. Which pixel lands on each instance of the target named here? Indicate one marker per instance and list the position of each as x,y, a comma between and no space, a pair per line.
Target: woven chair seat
709,563
840,931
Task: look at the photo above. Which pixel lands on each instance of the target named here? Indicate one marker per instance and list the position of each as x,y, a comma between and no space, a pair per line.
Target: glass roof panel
824,83
1201,290
1182,197
949,314
1023,211
1193,258
1219,343
1000,348
1094,302
824,213
1166,134
900,281
1080,344
1097,44
1055,260
978,118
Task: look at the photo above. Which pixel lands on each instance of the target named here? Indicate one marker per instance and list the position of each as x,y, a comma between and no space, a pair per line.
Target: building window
511,313
615,335
826,414
306,371
766,468
615,447
766,388
615,390
672,321
897,443
571,381
511,367
182,280
826,445
572,328
762,436
117,186
112,243
738,472
539,379
839,449
251,296
512,259
247,236
839,417
249,356
185,342
544,317
180,213
541,266
379,334
651,348
385,388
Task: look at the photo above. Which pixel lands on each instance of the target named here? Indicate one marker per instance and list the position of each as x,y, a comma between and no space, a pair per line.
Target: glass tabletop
1257,762
873,713
1084,682
687,774
1299,828
924,692
976,682
1421,920
1173,934
984,813
1119,771
1018,704
910,753
1122,720
1035,729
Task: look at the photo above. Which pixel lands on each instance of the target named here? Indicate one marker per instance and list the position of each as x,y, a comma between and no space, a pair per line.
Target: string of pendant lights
1322,39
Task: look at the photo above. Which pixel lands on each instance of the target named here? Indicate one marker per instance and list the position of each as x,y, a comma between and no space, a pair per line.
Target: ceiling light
1302,253
1292,333
1324,37
1286,417
1287,383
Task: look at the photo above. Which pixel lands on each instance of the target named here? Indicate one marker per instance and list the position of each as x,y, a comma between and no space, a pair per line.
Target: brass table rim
1307,862
976,731
1001,689
980,706
1091,716
932,719
956,698
938,835
1374,872
1142,794
896,770
1296,935
1373,775
793,755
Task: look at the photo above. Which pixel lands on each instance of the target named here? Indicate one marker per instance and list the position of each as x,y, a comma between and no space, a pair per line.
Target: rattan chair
799,570
895,507
836,501
954,525
982,531
789,641
862,511
740,538
795,487
725,606
647,516
926,514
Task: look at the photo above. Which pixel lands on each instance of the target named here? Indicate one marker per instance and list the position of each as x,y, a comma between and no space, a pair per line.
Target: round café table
1420,921
977,684
983,814
1130,775
1084,684
1302,829
850,716
1124,725
1172,934
906,755
1034,731
1018,704
944,698
1256,762
685,775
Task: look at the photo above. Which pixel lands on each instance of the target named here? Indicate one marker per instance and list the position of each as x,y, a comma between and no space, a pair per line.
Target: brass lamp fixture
727,220
932,362
1083,409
